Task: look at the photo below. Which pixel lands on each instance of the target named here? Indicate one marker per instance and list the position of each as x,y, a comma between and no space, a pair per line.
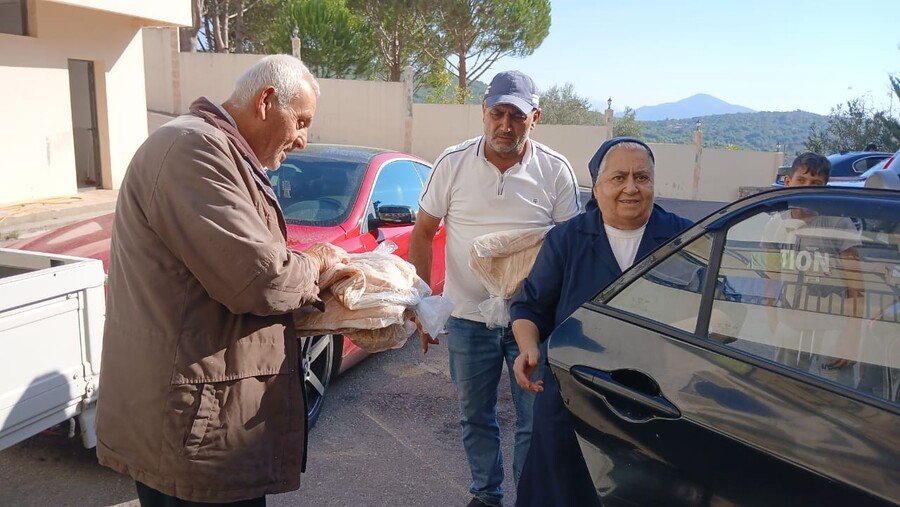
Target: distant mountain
761,131
697,105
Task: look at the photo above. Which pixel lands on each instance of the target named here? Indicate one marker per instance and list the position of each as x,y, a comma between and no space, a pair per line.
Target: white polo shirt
474,198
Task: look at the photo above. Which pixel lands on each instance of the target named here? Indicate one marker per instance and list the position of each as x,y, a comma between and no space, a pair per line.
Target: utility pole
608,118
295,42
698,154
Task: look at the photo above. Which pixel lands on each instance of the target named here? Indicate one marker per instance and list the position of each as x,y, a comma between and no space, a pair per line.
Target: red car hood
88,238
91,238
300,237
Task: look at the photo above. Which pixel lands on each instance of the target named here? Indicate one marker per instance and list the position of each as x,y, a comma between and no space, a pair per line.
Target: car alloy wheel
318,363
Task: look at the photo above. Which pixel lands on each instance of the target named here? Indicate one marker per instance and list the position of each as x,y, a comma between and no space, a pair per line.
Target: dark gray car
753,360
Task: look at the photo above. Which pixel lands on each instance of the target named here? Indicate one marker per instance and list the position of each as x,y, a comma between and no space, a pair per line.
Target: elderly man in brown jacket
201,398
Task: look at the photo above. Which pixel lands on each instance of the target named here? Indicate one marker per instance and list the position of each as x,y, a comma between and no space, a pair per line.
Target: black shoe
478,503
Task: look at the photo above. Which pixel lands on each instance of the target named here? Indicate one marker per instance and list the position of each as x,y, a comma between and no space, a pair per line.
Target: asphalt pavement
388,436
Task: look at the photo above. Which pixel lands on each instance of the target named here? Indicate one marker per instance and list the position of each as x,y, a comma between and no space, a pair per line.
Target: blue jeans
477,356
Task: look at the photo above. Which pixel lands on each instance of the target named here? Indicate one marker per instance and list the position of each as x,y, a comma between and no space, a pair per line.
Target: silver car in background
888,166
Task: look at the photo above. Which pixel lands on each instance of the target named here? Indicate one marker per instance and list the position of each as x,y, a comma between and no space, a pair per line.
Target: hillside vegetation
761,131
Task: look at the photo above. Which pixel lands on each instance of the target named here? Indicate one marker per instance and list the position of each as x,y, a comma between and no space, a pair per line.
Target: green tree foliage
562,106
259,30
335,42
479,32
405,36
443,91
762,131
851,129
891,125
224,25
627,125
436,87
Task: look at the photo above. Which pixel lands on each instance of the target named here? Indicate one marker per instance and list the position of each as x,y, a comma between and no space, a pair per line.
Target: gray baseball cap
514,88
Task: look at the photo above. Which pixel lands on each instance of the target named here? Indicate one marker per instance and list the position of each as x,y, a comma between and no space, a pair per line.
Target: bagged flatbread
368,300
377,340
339,319
501,261
374,279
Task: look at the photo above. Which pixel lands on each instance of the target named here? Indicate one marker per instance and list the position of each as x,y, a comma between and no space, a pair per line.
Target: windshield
316,190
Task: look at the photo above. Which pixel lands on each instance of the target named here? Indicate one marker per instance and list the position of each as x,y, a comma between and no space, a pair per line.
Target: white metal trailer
51,330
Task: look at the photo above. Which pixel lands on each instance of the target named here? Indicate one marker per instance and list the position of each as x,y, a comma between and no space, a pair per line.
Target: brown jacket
200,393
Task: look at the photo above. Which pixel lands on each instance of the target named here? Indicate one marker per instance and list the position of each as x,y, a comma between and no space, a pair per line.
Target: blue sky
764,54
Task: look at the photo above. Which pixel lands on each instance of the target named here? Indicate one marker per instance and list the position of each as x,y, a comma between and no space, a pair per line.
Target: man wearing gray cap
499,181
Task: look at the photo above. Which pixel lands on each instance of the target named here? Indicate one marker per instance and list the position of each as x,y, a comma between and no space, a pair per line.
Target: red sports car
350,196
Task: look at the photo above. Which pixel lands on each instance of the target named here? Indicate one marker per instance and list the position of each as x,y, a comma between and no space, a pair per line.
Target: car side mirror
389,214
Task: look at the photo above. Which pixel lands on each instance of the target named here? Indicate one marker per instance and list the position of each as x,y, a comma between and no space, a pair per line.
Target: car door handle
632,394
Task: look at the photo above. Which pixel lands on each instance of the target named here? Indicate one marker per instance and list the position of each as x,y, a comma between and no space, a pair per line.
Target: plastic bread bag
386,247
502,260
506,243
433,313
378,340
495,310
375,279
336,317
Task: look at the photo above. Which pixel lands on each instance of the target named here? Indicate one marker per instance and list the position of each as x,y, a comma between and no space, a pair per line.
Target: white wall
674,170
366,113
126,106
577,143
373,113
211,75
158,62
439,126
36,138
166,12
723,172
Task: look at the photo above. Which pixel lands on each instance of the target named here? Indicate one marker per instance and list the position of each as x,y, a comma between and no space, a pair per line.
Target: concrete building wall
438,126
158,62
164,12
578,144
124,82
211,75
725,171
37,139
373,113
366,113
674,170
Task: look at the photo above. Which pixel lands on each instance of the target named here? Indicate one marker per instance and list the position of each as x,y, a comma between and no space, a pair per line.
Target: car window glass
872,162
670,292
398,184
864,164
424,170
817,292
316,191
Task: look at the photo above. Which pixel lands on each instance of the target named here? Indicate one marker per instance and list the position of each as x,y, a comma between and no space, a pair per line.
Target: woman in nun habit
620,225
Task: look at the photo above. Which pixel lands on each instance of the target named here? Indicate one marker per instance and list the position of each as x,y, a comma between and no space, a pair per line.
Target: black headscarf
594,164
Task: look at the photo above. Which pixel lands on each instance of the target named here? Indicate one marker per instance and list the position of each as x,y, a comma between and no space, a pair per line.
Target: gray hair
283,72
629,145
